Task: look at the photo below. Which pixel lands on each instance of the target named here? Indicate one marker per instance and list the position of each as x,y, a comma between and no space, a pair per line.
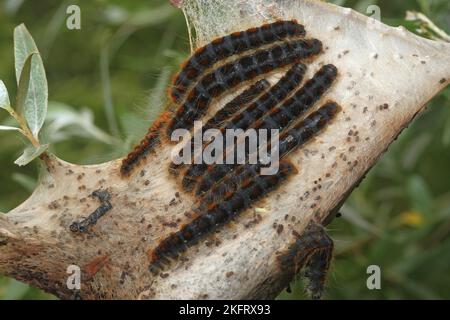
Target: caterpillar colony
245,60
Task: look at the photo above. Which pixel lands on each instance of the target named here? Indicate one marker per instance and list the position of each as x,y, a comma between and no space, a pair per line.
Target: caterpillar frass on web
237,72
227,46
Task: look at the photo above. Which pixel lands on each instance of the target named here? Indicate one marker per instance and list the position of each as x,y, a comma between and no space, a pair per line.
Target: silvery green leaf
36,100
31,153
23,46
24,85
4,97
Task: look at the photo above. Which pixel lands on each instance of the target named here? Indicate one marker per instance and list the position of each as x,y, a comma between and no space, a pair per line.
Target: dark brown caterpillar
228,185
293,138
278,118
239,191
83,225
147,144
227,46
217,215
276,94
234,73
232,107
301,101
308,128
312,250
237,104
226,191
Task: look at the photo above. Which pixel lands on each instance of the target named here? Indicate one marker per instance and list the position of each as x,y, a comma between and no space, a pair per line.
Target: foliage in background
108,80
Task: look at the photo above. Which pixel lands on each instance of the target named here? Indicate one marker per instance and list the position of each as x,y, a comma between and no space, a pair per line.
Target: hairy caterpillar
293,138
217,215
267,101
267,116
83,225
232,107
237,72
312,250
147,144
227,190
233,44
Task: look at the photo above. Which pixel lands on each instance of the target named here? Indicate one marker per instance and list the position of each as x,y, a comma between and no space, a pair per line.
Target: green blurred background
107,81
